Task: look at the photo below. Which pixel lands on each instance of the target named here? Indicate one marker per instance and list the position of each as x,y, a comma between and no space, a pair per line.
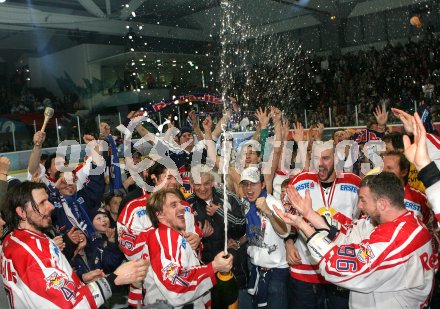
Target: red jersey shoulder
350,178
304,175
127,212
22,251
414,194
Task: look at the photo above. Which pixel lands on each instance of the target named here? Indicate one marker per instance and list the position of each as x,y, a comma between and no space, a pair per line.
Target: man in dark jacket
207,203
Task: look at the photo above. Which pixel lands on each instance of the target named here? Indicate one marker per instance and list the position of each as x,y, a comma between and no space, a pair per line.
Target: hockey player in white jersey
386,259
34,271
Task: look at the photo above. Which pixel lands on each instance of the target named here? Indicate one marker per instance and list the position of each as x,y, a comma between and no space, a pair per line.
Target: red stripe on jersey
434,139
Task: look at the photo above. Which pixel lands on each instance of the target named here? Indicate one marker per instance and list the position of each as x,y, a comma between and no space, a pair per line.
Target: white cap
251,174
253,143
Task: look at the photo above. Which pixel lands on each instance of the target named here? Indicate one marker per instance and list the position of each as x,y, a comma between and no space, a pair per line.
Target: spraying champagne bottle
224,295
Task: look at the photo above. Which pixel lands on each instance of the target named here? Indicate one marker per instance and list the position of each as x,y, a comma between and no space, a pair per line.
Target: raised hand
298,132
263,117
405,118
417,153
381,115
285,130
319,132
104,130
207,123
302,204
193,118
39,138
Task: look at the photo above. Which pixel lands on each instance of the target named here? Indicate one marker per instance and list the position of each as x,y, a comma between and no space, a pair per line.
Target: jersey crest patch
171,273
59,281
365,254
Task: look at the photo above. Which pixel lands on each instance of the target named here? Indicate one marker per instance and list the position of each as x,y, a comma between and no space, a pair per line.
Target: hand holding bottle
221,263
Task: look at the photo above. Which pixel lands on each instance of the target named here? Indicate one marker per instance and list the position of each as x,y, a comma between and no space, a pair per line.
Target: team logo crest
59,281
365,254
171,272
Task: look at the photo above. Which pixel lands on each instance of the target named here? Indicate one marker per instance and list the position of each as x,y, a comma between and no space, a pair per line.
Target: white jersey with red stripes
434,199
389,266
433,142
338,201
175,275
37,275
416,202
131,221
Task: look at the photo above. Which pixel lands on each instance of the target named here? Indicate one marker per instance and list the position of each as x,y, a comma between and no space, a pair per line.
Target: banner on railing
184,99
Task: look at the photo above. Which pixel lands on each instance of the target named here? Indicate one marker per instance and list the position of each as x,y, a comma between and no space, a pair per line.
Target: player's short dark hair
385,185
396,139
156,169
404,164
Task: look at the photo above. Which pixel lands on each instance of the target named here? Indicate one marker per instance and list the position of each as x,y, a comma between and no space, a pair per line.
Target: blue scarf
253,221
112,162
73,211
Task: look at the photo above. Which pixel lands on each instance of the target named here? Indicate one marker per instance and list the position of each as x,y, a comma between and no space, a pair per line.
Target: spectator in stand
112,203
101,252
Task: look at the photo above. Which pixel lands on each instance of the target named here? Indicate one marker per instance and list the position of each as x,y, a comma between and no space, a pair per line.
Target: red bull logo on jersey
172,273
365,254
59,281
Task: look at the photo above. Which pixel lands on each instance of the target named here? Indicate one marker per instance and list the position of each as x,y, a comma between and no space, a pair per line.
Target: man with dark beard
34,271
335,197
386,258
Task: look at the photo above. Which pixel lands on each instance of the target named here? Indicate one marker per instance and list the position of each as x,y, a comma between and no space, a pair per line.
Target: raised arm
271,165
219,126
34,158
381,117
195,125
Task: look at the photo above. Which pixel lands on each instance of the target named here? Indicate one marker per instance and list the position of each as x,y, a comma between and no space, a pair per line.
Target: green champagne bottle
224,295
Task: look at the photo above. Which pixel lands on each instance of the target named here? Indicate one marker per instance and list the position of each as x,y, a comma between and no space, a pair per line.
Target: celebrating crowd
300,222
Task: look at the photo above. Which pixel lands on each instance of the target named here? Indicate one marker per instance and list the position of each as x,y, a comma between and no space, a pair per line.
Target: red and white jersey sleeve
392,267
342,201
434,199
175,274
37,275
433,143
416,202
131,221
